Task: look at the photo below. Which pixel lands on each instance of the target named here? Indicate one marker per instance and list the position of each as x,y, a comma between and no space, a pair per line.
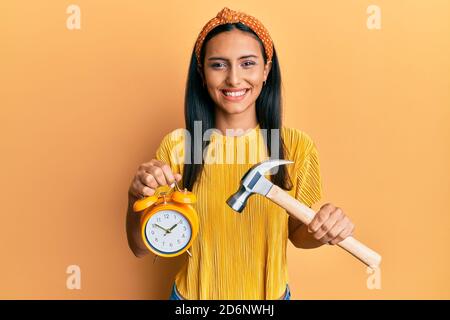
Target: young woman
234,82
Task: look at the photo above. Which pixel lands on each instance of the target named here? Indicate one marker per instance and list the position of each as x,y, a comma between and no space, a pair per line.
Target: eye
249,63
216,65
245,64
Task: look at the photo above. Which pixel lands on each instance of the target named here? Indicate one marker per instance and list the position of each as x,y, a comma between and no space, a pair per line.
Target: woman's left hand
330,225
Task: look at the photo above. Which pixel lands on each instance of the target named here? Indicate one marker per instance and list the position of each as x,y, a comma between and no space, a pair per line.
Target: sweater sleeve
163,151
309,185
171,150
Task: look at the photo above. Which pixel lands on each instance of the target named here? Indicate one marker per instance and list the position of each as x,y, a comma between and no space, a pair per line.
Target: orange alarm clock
169,223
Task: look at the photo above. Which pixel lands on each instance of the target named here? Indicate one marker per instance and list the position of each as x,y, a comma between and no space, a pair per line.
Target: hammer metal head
254,182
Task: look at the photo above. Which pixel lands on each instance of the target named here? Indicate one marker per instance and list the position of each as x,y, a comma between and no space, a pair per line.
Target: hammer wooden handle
305,215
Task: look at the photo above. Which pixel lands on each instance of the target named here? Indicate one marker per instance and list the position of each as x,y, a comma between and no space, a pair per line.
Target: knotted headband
230,16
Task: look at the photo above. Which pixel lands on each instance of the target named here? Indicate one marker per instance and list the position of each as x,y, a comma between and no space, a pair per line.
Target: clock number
158,219
171,244
184,228
183,236
153,232
166,216
156,239
178,241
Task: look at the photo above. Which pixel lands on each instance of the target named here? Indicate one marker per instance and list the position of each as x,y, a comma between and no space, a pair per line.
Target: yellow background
81,109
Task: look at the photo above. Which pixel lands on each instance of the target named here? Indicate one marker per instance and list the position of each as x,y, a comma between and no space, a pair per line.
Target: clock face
168,231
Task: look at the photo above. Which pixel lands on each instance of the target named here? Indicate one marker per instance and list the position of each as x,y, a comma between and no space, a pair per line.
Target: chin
233,108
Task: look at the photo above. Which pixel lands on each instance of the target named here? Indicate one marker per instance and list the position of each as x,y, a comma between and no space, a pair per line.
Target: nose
233,76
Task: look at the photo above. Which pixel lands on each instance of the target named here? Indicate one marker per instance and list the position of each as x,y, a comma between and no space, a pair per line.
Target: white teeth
235,94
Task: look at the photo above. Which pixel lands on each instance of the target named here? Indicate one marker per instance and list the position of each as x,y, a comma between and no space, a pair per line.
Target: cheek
256,88
214,80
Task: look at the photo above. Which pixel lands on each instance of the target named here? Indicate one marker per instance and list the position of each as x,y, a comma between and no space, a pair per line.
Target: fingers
140,190
148,180
320,218
334,231
330,225
156,173
346,232
161,172
323,233
150,176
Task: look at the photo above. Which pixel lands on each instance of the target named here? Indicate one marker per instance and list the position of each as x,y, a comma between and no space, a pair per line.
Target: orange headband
230,16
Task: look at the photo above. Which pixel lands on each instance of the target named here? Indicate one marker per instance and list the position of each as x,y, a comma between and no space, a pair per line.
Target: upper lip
235,90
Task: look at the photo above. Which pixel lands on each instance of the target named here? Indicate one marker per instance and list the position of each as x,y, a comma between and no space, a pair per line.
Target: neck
242,121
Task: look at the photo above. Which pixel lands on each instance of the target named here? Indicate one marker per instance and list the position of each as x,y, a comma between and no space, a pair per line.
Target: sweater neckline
247,134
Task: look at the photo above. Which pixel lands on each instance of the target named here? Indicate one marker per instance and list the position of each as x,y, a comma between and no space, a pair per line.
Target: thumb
177,177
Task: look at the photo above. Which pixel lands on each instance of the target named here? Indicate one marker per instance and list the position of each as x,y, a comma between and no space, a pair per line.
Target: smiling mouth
234,94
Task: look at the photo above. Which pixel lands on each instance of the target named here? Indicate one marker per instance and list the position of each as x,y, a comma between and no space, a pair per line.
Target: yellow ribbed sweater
240,255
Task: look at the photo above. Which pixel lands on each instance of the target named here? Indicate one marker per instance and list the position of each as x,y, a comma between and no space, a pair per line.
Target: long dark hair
199,106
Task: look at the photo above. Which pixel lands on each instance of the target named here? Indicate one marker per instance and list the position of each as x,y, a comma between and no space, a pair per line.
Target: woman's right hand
151,175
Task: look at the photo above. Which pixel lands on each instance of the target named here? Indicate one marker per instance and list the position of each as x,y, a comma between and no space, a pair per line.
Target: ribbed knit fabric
240,255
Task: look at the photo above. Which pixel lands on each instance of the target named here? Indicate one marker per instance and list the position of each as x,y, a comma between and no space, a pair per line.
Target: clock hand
173,227
161,227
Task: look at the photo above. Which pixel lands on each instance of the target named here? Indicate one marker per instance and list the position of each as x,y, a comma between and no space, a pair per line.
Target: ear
267,69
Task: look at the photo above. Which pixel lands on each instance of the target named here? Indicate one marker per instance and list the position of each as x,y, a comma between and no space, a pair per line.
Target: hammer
255,182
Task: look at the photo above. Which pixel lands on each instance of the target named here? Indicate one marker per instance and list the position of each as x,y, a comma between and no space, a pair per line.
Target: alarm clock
169,223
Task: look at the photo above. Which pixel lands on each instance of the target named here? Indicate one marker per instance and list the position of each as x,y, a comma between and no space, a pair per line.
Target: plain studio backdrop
81,108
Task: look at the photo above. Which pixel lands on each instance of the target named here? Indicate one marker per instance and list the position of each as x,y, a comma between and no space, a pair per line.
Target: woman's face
234,62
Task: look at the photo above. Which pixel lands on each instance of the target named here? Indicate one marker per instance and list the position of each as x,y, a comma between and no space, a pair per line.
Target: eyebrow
243,57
